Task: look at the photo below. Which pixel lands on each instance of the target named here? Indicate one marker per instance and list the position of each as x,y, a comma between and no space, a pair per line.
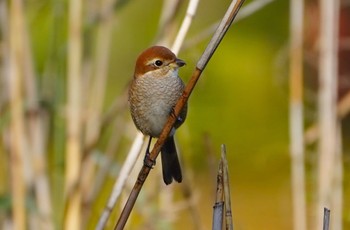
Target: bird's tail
170,162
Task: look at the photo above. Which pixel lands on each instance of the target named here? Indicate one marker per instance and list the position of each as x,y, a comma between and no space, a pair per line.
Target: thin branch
203,61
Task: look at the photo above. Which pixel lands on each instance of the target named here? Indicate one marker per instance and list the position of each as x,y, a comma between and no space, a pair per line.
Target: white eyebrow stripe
152,61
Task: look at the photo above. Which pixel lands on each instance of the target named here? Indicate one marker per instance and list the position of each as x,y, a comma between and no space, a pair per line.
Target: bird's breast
151,101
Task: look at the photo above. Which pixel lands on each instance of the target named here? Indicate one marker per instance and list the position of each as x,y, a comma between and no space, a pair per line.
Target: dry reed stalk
337,198
17,129
72,218
328,70
227,193
296,118
219,201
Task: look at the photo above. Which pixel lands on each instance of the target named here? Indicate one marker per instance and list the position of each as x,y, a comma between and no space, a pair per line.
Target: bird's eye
158,63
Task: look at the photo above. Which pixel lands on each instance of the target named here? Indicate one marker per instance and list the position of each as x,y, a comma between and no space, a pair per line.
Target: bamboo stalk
73,152
296,118
328,69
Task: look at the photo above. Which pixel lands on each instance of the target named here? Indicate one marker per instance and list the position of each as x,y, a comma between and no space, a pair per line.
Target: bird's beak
180,62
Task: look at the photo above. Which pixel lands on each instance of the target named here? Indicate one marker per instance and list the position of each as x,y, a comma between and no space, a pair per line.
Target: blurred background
276,92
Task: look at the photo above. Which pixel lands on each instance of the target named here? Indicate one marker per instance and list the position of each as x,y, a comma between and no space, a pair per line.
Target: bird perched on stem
153,93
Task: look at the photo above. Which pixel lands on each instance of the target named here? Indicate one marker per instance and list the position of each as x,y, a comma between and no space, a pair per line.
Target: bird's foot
148,162
172,113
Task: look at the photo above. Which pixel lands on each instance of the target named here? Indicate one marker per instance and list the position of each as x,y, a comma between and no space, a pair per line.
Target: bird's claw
148,162
172,113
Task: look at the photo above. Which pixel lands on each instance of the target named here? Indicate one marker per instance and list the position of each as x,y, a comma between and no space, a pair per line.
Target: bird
153,93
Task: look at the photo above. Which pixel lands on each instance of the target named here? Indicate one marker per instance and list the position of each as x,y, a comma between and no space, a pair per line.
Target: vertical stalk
73,151
15,81
337,198
296,126
328,69
218,208
227,193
